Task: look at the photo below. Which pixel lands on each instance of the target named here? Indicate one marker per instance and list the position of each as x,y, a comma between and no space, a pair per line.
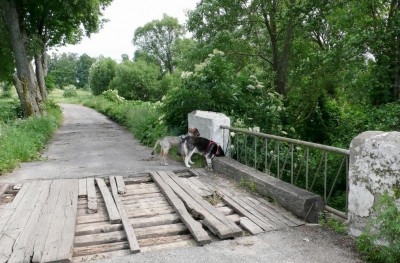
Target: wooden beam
132,240
17,221
194,227
82,188
60,239
120,184
208,218
91,194
3,189
250,226
234,229
112,209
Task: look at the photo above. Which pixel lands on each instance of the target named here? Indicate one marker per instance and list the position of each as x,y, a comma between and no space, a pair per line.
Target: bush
70,91
112,95
101,74
22,140
10,110
384,229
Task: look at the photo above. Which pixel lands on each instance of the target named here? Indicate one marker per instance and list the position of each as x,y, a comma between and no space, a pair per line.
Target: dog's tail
155,146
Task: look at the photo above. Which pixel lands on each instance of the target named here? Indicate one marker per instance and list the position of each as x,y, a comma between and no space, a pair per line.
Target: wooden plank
281,211
45,220
250,226
82,188
22,250
137,180
132,240
184,243
140,191
91,194
194,187
194,227
3,189
141,233
209,219
202,186
96,249
237,205
151,212
99,256
60,240
10,208
234,229
142,196
278,220
17,221
120,184
112,209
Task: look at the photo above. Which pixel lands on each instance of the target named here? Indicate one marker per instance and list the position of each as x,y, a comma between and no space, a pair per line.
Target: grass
21,140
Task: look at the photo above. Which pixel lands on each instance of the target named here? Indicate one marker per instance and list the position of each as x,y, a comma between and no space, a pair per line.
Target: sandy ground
89,144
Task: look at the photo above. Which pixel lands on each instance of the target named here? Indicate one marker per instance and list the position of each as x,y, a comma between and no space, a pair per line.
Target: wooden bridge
74,220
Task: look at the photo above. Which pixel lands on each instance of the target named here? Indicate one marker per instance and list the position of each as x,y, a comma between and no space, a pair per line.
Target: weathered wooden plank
142,196
143,186
17,221
60,240
234,229
279,221
250,226
281,211
194,187
105,255
112,209
92,218
140,191
202,186
132,240
137,180
9,210
237,205
120,184
144,205
151,212
194,227
226,210
164,240
3,189
209,219
179,244
91,194
82,188
96,249
141,233
22,250
153,200
45,220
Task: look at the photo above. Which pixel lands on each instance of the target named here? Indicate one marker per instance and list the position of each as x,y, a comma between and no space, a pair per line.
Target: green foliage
137,80
70,91
334,224
101,74
157,38
380,242
10,109
22,139
62,69
82,70
112,95
50,83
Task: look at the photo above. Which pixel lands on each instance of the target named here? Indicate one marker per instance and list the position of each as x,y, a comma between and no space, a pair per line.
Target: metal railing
318,168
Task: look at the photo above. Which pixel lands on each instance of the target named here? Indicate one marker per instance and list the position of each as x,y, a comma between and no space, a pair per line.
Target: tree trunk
24,80
397,65
40,75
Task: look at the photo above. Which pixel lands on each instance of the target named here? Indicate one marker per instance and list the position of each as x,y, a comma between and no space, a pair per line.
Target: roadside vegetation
319,71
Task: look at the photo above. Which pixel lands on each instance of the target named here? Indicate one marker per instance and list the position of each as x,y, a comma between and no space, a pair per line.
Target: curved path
89,144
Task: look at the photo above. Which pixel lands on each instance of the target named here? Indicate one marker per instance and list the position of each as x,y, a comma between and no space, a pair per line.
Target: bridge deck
86,219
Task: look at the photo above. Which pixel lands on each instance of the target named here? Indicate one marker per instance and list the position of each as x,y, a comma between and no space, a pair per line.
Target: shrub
70,91
101,74
112,95
385,228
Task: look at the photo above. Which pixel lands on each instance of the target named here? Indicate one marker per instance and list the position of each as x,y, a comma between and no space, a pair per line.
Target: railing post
373,169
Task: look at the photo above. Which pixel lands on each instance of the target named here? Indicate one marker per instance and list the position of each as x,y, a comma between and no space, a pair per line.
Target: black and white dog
201,145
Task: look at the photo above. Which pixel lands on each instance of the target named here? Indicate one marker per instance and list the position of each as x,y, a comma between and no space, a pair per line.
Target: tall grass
22,139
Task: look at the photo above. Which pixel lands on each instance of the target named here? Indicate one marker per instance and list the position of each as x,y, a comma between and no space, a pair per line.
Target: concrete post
373,169
208,123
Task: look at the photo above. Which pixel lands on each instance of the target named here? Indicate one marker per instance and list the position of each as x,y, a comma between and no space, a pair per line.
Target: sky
115,38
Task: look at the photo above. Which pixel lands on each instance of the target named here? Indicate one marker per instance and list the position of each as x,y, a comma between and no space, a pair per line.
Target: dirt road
89,144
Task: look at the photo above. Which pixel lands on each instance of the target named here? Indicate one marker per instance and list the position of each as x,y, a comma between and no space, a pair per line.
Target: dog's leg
166,156
209,164
187,158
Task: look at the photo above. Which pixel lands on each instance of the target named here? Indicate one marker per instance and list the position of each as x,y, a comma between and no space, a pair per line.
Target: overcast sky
124,16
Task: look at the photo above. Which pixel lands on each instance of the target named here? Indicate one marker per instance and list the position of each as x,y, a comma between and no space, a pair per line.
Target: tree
82,70
262,30
34,26
6,57
158,37
63,69
101,74
137,80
